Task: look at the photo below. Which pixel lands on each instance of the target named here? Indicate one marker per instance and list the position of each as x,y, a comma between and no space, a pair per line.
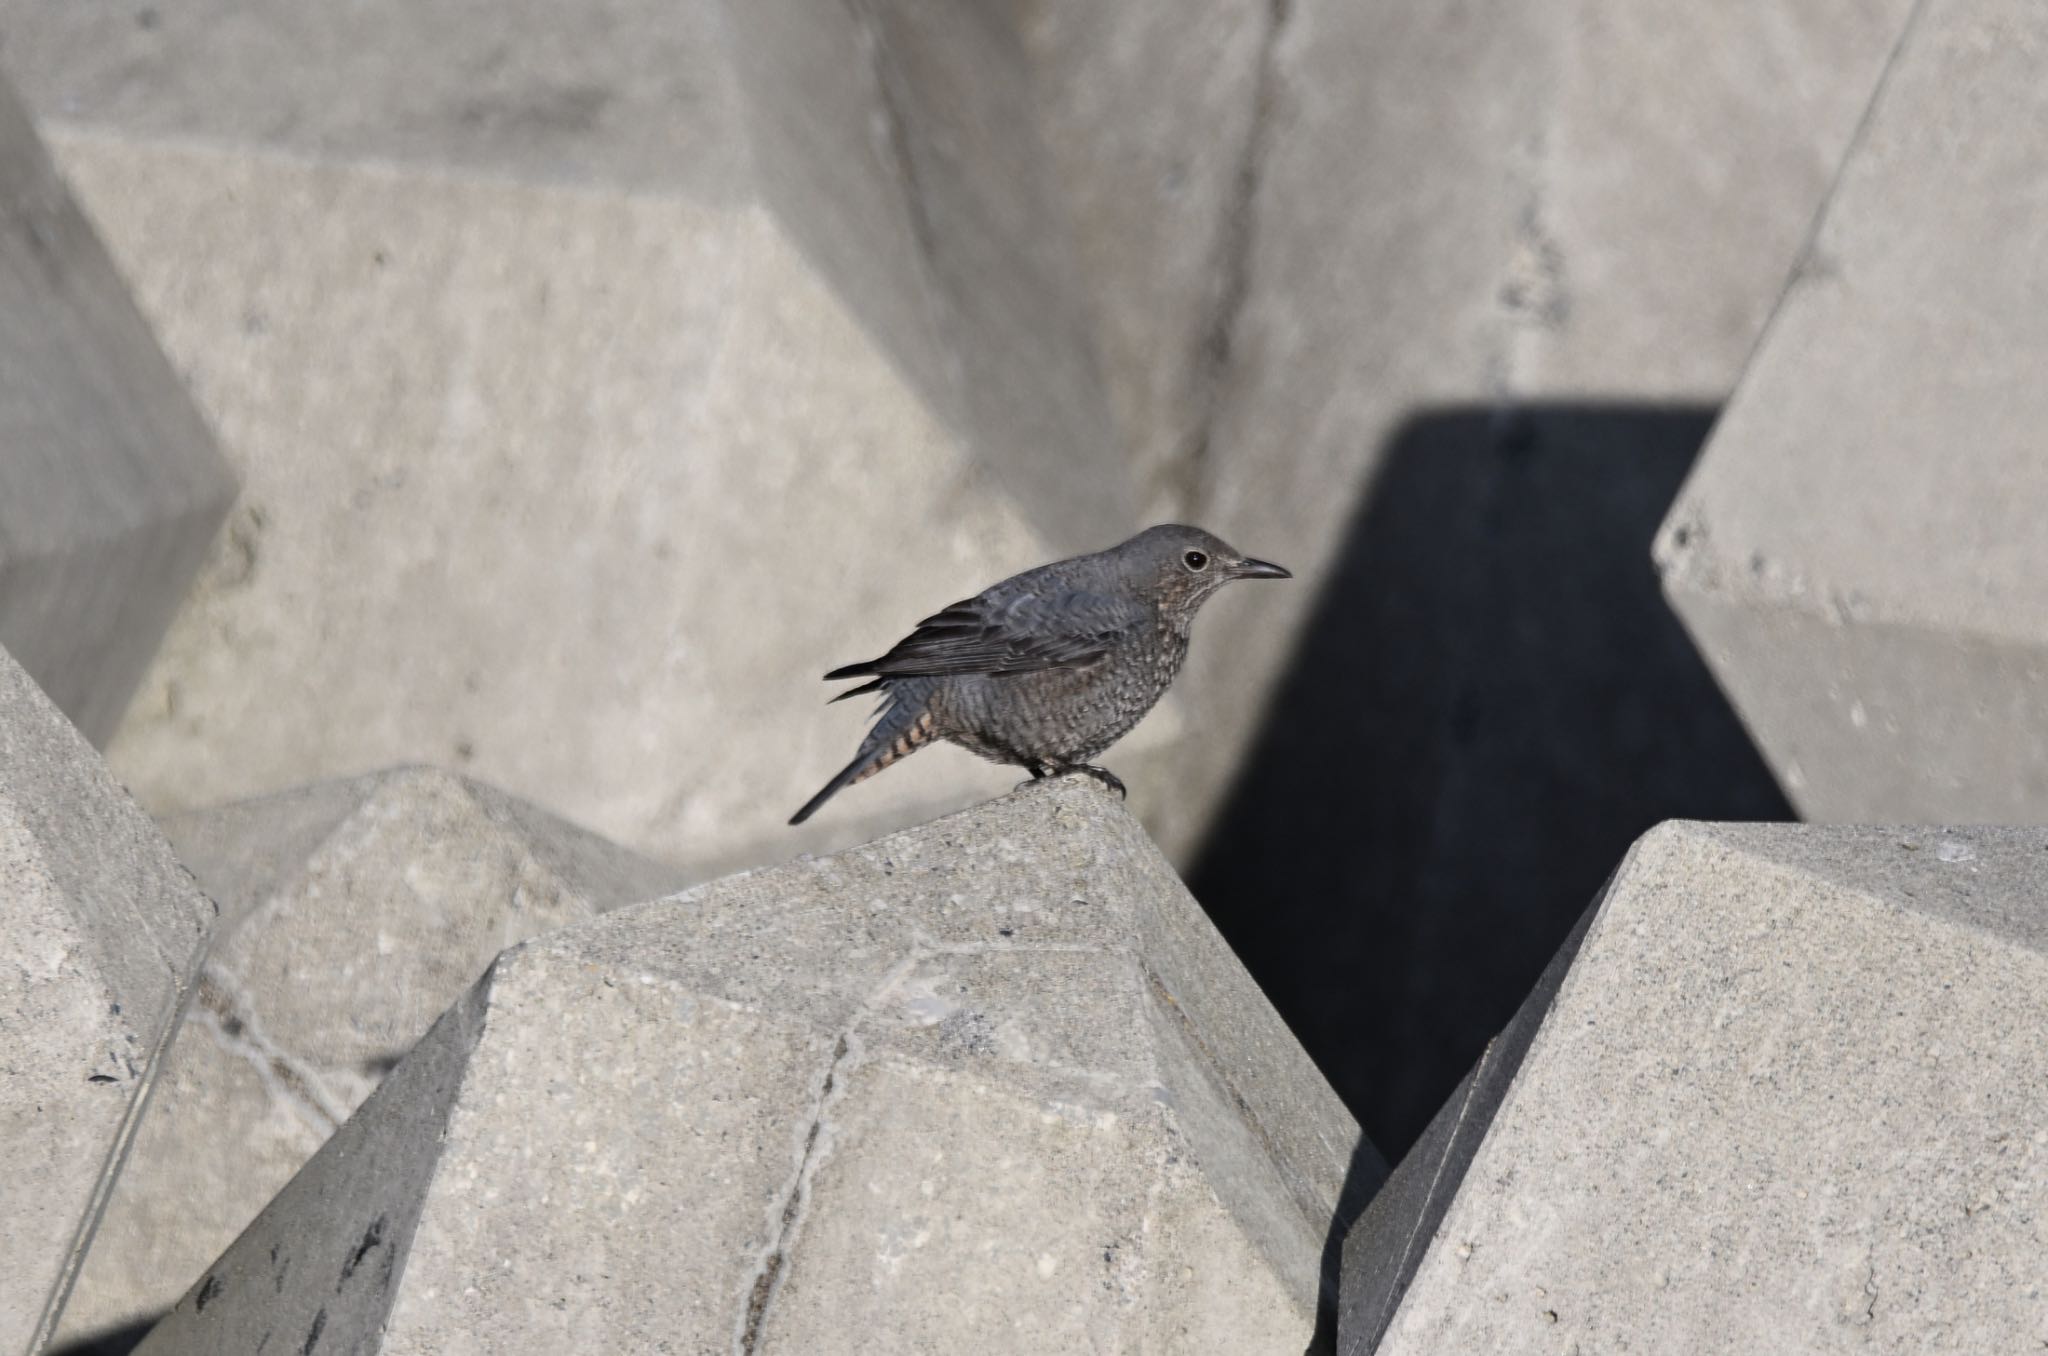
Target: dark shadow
1364,1176
1380,1256
1491,701
109,1341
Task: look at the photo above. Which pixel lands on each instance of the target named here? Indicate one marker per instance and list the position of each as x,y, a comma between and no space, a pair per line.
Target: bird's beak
1261,569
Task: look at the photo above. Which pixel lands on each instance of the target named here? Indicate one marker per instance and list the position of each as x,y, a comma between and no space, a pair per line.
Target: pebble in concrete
354,913
1859,553
101,933
1788,1094
991,1084
110,487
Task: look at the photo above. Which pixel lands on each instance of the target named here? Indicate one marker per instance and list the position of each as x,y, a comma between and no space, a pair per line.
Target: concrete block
1786,1094
992,1083
110,486
101,934
355,912
1485,209
625,95
1859,552
1061,185
557,423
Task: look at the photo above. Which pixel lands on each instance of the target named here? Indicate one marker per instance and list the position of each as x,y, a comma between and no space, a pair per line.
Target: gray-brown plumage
1050,667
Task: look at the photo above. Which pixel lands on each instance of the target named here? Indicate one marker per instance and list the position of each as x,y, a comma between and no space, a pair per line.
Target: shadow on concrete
1490,703
109,1341
1364,1180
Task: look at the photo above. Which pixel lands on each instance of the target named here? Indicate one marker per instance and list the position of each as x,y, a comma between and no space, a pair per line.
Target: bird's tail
904,728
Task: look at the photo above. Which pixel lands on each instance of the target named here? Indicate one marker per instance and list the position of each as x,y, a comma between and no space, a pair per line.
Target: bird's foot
1105,776
1042,769
1039,772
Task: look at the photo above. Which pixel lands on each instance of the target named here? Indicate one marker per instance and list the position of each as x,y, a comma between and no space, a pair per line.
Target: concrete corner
101,933
1526,208
539,408
356,912
993,1083
1787,1096
1859,553
110,487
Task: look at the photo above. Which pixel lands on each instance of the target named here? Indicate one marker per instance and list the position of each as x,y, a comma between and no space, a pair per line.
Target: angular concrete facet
1033,206
991,1084
496,438
1790,1095
622,94
539,409
1859,552
355,913
101,933
110,487
1461,208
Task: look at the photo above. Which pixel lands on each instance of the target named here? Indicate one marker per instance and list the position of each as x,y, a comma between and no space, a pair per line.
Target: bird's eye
1195,560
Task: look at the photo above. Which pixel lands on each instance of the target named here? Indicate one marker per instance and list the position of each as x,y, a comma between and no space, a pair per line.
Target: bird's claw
1106,777
1040,771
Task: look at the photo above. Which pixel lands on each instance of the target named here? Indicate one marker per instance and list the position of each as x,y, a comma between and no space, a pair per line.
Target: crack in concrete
927,948
1183,477
45,1331
225,1010
817,1146
1217,1067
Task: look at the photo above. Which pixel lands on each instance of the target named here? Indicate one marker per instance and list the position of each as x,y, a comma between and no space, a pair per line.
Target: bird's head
1182,566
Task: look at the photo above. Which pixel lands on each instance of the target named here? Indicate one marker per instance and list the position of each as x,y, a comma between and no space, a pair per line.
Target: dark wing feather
1022,633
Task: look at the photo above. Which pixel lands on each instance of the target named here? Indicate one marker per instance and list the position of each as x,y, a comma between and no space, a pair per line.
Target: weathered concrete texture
991,1084
513,448
1385,1247
1791,1096
1463,207
1034,204
355,913
483,358
110,487
1859,552
625,94
101,933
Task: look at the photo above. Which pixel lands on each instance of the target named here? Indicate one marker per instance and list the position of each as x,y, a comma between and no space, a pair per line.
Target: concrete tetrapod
354,913
110,486
1784,1091
992,1084
535,401
1859,553
101,933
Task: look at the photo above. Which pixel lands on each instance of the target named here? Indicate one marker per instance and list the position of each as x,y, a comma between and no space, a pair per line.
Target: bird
1050,667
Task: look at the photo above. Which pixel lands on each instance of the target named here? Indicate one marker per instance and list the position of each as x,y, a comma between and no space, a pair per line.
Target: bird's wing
1021,633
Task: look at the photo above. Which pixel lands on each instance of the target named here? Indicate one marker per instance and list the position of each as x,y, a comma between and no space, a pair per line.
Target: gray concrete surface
110,486
354,914
1388,1243
1459,210
1788,1097
1058,187
1062,269
993,1083
559,271
625,95
101,934
1859,552
512,447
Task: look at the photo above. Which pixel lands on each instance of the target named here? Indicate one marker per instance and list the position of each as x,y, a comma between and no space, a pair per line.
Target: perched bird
1050,667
